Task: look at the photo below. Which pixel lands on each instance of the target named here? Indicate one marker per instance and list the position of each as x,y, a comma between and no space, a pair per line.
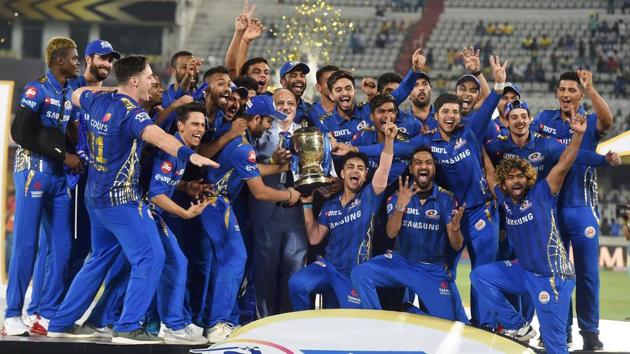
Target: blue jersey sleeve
163,174
87,99
391,204
499,193
322,218
243,158
33,96
542,191
136,121
406,86
484,115
493,148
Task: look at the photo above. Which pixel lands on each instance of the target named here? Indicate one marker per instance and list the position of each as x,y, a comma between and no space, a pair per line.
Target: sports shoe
523,334
219,332
39,325
100,332
591,341
138,336
14,326
194,329
74,332
541,344
183,336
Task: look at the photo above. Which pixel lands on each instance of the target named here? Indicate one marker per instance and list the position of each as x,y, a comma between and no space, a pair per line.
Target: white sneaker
194,329
14,326
219,332
523,334
39,325
183,336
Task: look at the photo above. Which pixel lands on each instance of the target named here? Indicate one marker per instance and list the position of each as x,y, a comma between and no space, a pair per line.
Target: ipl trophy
311,158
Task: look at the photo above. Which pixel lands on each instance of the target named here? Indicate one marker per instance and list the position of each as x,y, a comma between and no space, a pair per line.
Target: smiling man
293,78
578,204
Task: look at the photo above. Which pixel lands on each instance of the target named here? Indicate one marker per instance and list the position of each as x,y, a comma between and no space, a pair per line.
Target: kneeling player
349,217
427,224
542,269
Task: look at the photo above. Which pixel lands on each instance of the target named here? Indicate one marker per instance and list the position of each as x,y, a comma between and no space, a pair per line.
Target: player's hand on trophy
306,198
201,161
295,196
341,149
333,188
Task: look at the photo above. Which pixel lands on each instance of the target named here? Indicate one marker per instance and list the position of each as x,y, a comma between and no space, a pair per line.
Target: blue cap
423,75
468,77
102,48
514,105
242,91
262,105
292,65
510,86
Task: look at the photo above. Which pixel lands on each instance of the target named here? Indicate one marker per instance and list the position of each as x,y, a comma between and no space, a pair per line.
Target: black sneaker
138,336
591,341
74,332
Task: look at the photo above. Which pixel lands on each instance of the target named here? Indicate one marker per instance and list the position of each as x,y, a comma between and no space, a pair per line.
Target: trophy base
307,185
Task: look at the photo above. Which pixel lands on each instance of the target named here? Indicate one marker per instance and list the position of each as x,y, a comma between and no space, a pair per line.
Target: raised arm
484,115
379,180
604,115
490,172
315,232
560,170
400,202
472,63
254,30
409,81
453,228
240,25
154,135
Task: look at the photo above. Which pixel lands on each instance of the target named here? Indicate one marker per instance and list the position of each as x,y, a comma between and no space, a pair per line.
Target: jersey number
96,148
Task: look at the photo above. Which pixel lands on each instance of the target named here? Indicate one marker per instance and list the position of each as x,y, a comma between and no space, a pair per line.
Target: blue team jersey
423,236
532,227
408,124
238,164
344,129
541,152
302,111
166,174
459,166
369,136
115,137
351,228
580,186
495,130
52,102
430,122
316,111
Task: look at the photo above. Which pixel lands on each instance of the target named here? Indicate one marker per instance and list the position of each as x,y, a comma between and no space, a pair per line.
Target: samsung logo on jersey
166,179
99,126
420,225
520,221
346,219
462,155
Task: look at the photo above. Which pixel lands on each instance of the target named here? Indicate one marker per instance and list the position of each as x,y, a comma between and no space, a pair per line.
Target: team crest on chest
526,205
459,143
432,214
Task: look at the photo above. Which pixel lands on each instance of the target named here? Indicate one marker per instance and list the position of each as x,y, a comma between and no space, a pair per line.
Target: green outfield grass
614,295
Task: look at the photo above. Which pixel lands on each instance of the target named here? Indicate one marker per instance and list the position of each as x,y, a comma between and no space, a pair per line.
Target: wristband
475,73
499,86
184,153
307,205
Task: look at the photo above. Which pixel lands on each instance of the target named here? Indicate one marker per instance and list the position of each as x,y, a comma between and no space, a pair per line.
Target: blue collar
53,81
531,144
558,113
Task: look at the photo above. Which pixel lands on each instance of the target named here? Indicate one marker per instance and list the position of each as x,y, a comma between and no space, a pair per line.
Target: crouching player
349,218
426,221
542,269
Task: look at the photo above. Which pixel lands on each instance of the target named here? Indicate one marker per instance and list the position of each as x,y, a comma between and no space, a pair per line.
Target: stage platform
315,332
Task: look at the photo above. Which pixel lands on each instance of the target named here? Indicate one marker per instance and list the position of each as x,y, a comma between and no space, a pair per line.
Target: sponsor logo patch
30,92
166,167
251,157
535,157
432,214
142,116
107,117
590,232
543,297
444,288
459,143
526,205
480,225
